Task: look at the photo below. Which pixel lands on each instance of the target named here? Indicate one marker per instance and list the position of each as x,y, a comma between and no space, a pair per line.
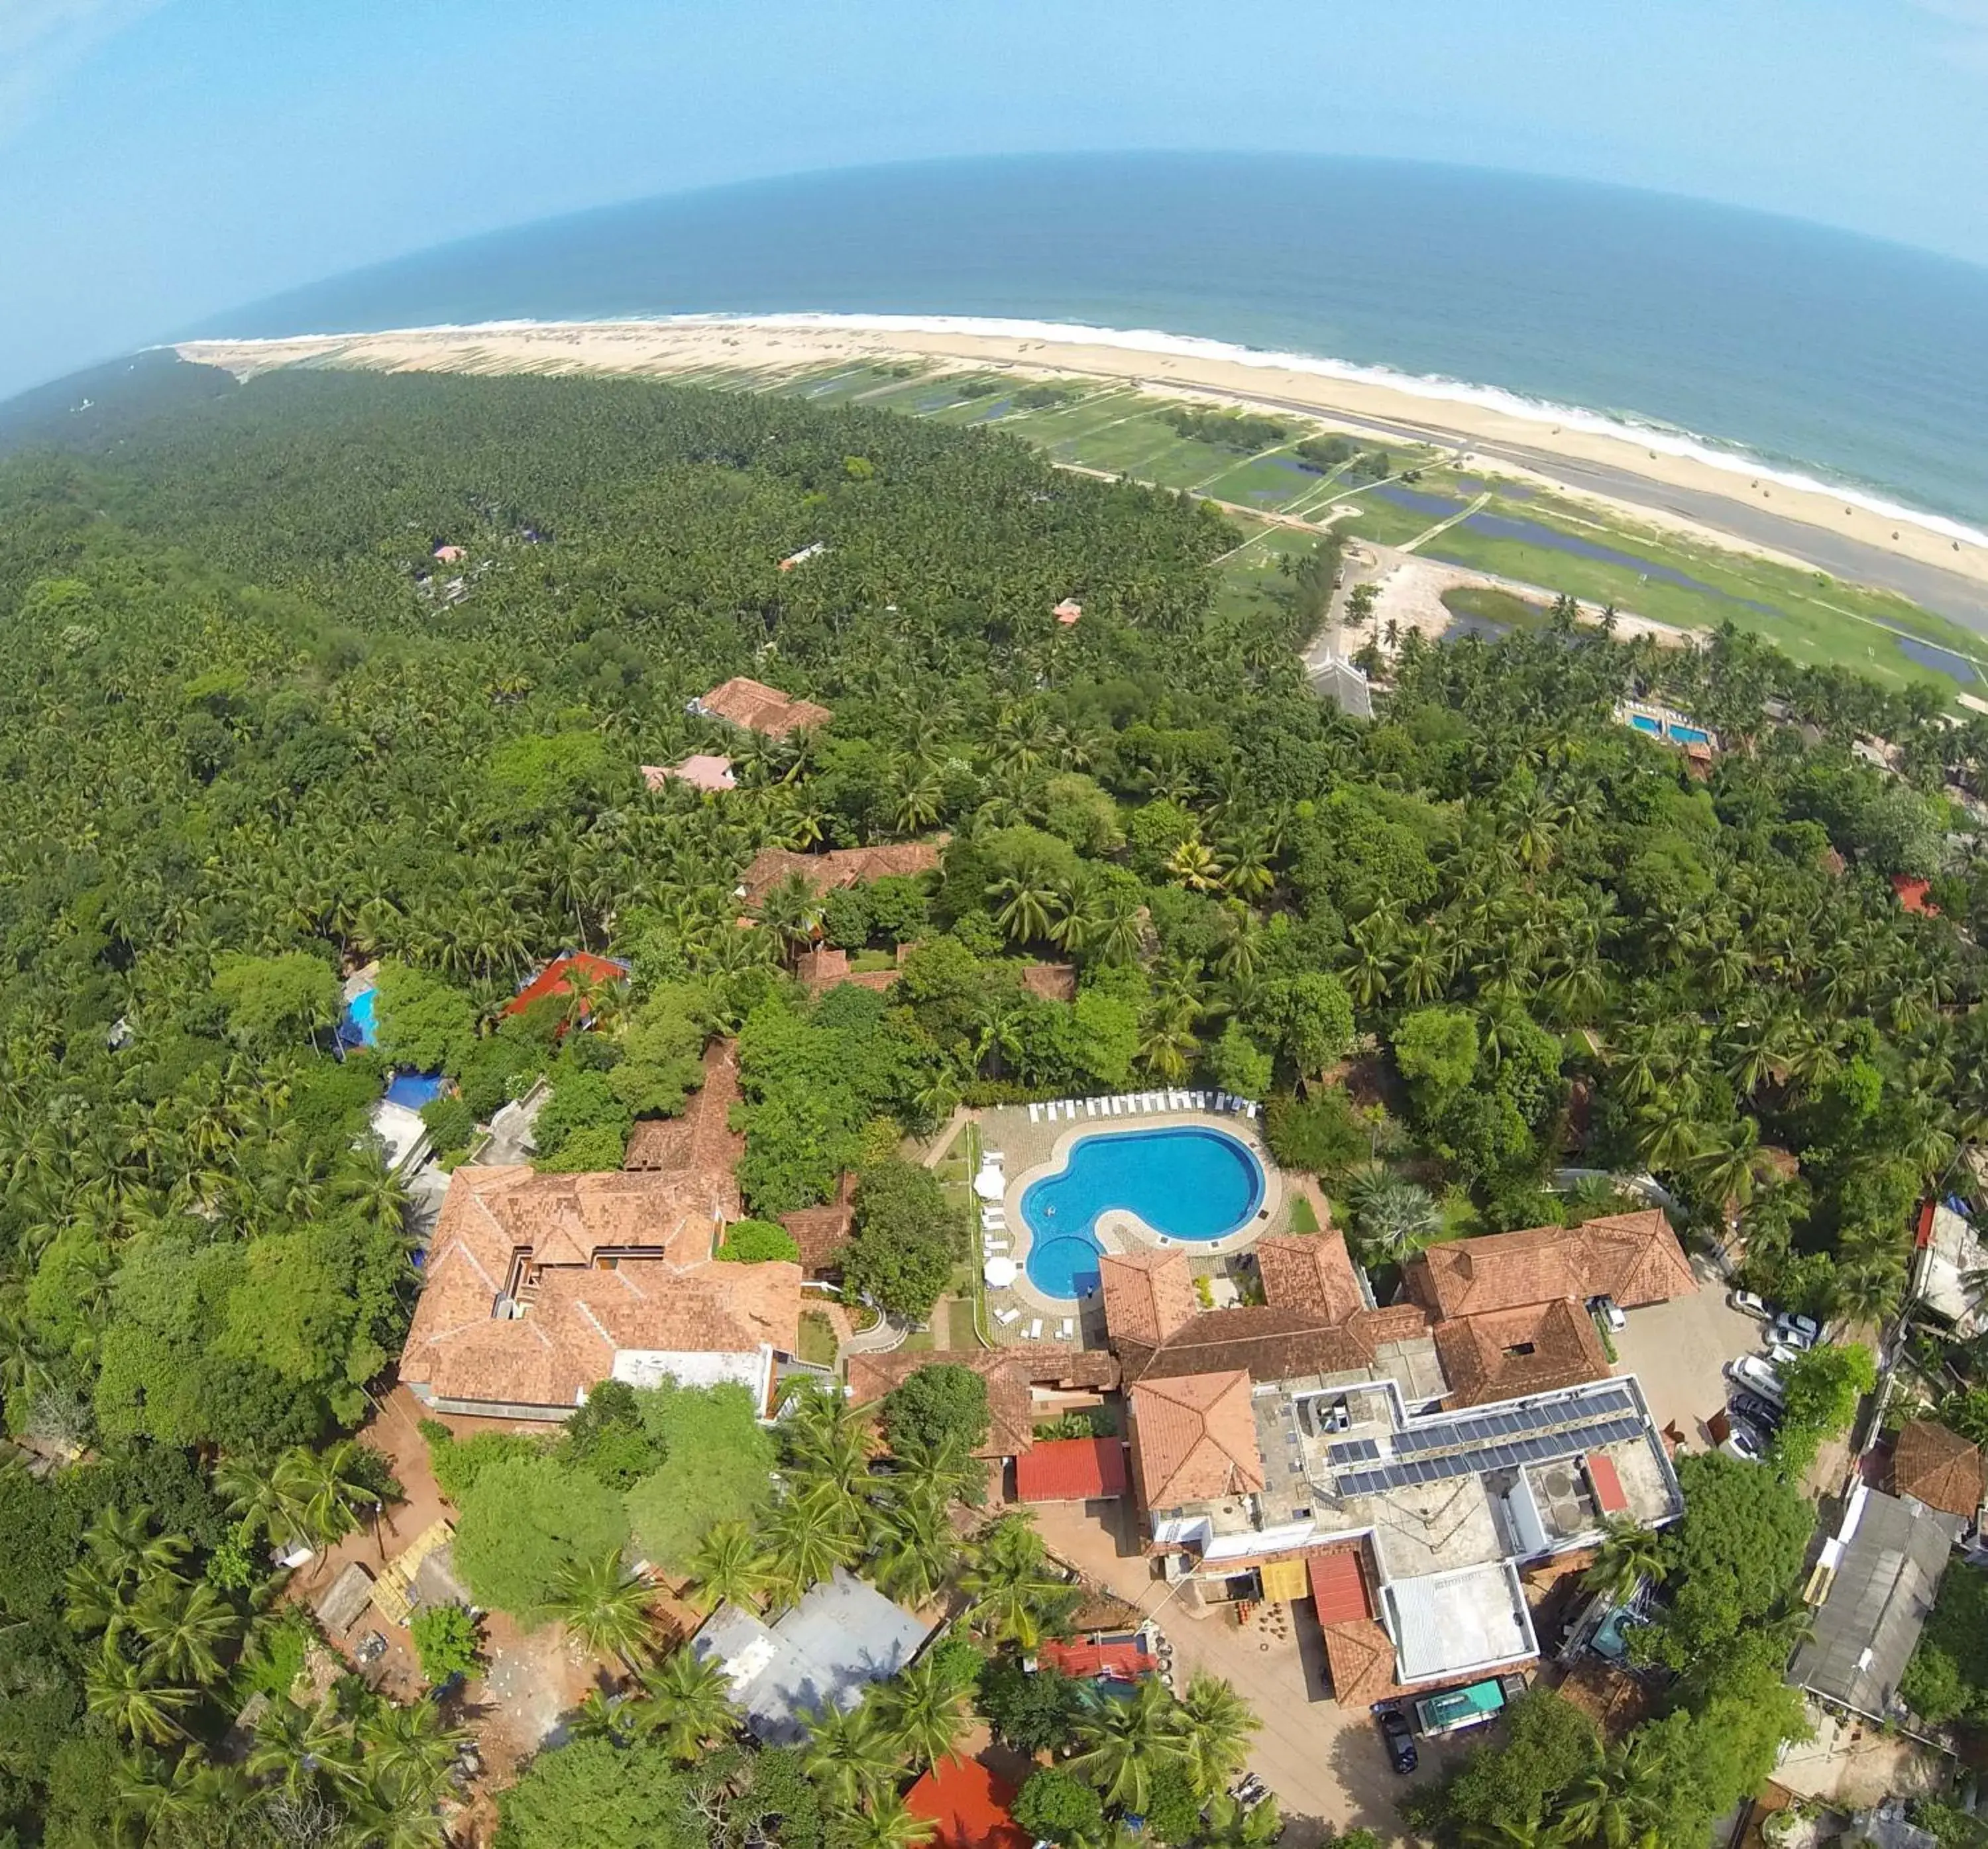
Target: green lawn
818,1338
1114,427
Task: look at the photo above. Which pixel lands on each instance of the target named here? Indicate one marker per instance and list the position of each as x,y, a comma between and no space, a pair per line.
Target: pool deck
1032,1150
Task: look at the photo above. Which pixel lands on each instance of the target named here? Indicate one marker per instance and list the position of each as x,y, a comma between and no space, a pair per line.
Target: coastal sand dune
1754,512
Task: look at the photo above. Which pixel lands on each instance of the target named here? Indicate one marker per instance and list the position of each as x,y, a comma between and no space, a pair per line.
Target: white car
1797,1331
1745,1444
1785,1335
1754,1374
1748,1304
1780,1354
1611,1313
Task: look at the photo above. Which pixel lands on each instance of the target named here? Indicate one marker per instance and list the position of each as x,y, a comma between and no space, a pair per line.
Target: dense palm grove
258,734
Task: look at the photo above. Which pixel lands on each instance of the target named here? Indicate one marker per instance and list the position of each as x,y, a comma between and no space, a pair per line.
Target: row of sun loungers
1137,1103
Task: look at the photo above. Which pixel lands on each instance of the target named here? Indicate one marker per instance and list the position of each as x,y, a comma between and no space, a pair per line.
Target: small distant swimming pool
1185,1183
1689,734
360,1027
414,1088
1643,722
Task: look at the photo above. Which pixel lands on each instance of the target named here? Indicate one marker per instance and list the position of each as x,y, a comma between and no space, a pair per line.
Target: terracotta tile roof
1052,982
1912,894
1309,1272
1071,1470
1359,1658
1937,1467
1535,1348
1194,1439
968,1805
825,967
1009,1372
759,708
1147,1295
1633,1257
601,1263
1339,1587
701,1141
821,1232
554,980
841,866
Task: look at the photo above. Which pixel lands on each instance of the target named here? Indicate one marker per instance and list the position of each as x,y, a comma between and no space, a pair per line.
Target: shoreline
1660,478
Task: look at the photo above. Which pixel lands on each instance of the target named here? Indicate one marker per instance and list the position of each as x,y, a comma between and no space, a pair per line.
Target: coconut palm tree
1009,1583
924,1711
326,1489
1626,1554
129,1700
1232,1825
184,1629
412,1744
851,1755
729,1566
1215,1724
810,1535
685,1704
293,1746
606,1608
601,1716
888,1823
1124,1743
913,1548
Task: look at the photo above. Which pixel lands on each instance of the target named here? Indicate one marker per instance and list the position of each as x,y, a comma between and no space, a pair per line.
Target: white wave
1729,458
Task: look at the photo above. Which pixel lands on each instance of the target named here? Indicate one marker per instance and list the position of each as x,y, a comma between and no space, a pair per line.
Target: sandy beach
1754,513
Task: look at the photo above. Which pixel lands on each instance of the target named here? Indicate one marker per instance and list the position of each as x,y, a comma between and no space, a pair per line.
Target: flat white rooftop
1449,1624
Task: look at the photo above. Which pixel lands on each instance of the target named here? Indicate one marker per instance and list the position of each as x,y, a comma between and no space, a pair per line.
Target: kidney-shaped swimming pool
1185,1183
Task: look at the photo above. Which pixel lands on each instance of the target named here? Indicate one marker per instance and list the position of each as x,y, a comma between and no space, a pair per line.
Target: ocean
1816,354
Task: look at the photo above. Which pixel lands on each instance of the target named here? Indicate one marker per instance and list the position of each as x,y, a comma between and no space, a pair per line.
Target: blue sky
163,159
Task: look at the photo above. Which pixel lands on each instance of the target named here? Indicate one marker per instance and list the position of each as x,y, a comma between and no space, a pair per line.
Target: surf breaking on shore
1457,410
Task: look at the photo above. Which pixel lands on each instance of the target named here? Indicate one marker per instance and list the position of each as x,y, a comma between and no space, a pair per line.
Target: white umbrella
990,1184
1001,1272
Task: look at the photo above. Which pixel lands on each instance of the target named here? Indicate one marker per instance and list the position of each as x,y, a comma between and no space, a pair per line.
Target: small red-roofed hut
969,1807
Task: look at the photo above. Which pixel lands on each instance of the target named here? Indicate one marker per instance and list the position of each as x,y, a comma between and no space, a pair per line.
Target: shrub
942,1401
447,1640
451,1125
1054,1805
754,1241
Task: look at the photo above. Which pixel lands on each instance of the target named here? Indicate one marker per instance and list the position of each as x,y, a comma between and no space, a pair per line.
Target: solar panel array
1499,1437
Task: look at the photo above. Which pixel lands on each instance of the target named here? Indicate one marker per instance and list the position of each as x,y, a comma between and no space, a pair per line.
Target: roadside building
1946,1253
968,1806
1936,1469
821,1653
1071,1470
1873,1589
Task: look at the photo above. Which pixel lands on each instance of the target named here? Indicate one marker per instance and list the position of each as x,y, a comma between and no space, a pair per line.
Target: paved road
1949,593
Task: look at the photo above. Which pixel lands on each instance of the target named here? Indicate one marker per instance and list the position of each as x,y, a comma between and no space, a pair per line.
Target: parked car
1780,1354
1610,1312
1749,1445
1400,1738
1753,1374
1756,1409
1748,1304
1796,1331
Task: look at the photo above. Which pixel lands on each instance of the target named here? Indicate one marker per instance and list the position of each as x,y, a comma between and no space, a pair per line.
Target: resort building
538,1285
1404,1462
753,706
842,866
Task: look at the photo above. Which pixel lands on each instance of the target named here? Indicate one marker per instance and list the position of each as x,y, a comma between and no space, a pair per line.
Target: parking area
1326,1763
1678,1351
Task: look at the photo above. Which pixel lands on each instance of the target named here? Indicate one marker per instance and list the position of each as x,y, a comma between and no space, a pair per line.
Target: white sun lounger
1066,1329
1035,1114
1091,1107
1249,1110
1036,1330
1118,1107
1004,1317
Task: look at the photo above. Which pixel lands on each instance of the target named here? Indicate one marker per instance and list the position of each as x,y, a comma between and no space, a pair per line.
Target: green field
1115,428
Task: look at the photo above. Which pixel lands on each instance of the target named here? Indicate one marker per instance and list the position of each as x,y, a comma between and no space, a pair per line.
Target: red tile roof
826,873
1912,894
1339,1588
970,1805
1124,1661
1194,1439
1071,1470
1011,1373
1937,1467
1634,1258
553,980
703,770
1608,1496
